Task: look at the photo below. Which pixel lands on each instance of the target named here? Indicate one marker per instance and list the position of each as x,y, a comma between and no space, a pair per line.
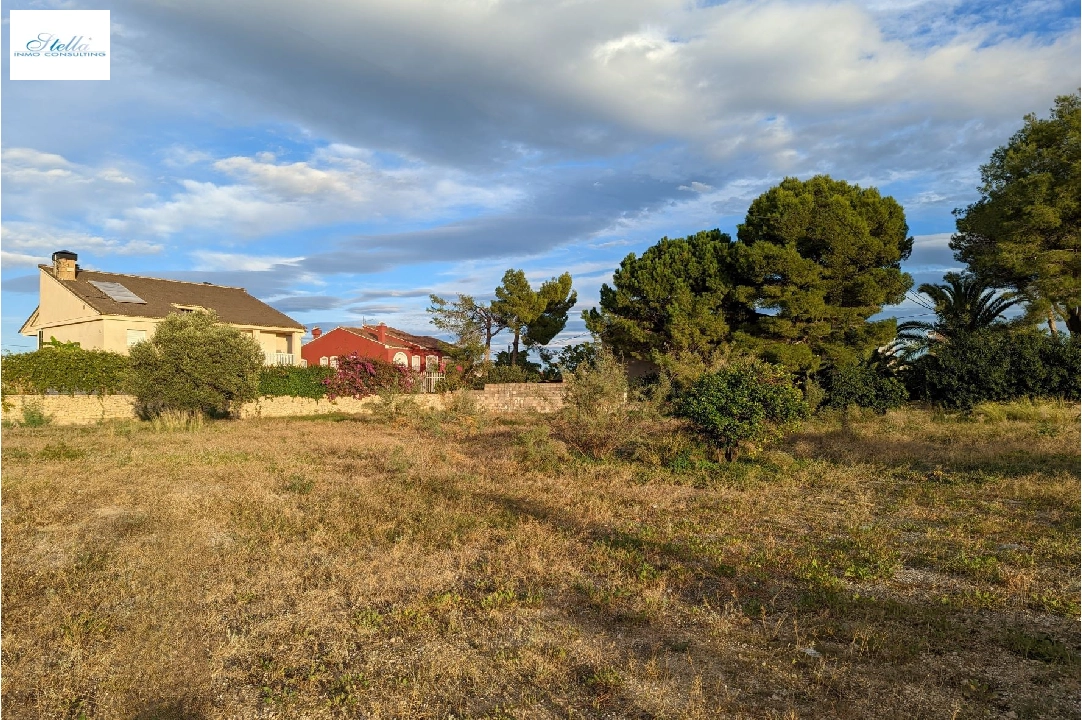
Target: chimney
64,265
381,333
316,332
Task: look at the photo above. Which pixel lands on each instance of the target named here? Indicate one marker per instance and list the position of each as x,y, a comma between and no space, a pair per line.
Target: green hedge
865,385
997,367
288,381
501,374
64,368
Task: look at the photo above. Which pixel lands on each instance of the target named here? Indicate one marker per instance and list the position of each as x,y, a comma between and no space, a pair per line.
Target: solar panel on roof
118,292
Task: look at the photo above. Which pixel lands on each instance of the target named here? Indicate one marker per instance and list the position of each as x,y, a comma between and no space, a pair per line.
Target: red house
417,352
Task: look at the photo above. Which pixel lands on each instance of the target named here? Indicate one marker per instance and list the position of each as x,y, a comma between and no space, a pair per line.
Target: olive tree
195,364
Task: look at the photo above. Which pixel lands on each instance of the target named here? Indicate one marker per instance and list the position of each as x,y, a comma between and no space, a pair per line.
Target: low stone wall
87,409
290,406
72,409
517,397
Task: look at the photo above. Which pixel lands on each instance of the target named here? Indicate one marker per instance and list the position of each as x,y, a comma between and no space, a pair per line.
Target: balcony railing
280,358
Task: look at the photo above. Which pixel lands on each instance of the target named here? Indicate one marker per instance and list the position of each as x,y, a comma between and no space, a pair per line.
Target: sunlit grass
461,565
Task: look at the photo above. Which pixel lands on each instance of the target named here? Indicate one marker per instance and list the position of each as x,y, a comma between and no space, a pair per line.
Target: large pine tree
814,261
817,258
677,297
1024,231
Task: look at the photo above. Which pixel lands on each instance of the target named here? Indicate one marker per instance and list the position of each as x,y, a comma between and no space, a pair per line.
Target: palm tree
963,304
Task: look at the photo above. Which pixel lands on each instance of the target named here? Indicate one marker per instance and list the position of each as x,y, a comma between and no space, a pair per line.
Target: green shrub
63,368
456,377
568,360
500,374
34,415
865,385
194,364
595,418
536,450
997,367
359,377
290,381
747,402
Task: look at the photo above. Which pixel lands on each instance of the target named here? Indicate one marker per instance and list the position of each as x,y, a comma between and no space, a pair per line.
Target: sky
343,159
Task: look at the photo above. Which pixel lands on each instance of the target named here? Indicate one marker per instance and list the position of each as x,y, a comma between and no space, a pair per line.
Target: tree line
811,265
815,260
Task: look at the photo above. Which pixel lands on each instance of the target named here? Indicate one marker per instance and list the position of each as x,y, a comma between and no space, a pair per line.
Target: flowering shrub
359,377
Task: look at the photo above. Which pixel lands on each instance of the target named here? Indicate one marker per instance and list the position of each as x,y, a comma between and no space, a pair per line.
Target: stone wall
86,409
517,397
291,406
73,409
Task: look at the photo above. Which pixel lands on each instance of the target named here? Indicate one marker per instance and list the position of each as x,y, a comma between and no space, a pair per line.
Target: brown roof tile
233,305
395,338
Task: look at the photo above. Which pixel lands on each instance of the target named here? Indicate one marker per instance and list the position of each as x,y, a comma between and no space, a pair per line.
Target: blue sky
342,160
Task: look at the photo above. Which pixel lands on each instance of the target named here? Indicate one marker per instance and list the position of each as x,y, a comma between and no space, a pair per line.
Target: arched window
432,363
334,362
324,361
400,359
416,363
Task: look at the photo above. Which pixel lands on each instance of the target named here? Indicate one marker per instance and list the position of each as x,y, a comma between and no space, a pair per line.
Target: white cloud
40,241
43,187
338,184
483,80
220,261
15,260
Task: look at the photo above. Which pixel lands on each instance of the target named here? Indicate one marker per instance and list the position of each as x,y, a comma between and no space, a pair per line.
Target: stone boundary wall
518,397
73,409
88,409
284,406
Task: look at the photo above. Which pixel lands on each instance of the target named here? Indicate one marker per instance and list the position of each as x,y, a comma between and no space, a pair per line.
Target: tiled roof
395,338
233,305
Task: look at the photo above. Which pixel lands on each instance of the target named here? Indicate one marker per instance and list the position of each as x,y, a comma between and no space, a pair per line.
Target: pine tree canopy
1024,231
814,260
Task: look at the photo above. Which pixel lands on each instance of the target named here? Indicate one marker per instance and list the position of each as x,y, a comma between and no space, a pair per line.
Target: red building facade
417,352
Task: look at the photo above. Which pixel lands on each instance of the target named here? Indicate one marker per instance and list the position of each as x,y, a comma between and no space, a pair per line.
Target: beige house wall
59,306
274,341
116,331
88,334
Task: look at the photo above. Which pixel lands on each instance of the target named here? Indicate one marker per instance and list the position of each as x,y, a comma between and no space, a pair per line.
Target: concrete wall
87,409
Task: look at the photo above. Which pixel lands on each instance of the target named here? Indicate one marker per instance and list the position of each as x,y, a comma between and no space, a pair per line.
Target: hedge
290,381
64,368
997,366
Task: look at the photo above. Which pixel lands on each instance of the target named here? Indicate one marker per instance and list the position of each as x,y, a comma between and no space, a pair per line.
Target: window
416,363
324,361
432,363
400,359
334,362
41,339
136,336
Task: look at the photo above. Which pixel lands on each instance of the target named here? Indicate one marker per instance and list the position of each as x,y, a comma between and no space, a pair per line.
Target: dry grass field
456,566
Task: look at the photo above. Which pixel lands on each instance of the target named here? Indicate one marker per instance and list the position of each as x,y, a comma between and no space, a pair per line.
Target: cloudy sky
343,159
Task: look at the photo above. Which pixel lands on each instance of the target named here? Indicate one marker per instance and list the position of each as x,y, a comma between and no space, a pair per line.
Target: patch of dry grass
461,566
